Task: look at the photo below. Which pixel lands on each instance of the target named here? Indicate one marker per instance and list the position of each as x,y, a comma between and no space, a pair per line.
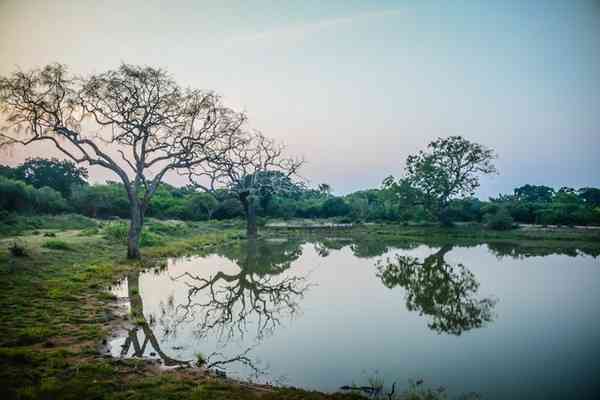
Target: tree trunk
249,203
251,229
444,215
135,230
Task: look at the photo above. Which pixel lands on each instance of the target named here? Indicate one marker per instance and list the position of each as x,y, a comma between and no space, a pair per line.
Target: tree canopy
450,168
134,121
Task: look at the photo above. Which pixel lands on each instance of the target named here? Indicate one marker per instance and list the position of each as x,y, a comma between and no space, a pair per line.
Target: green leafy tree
590,196
335,207
449,169
534,194
201,206
60,175
15,195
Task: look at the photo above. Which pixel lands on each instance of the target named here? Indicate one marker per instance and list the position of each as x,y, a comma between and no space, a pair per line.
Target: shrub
15,195
229,208
56,244
200,359
116,231
500,221
335,207
17,249
150,239
89,232
48,200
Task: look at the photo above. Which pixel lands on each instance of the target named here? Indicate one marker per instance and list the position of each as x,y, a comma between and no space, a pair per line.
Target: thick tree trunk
251,229
135,232
444,215
249,203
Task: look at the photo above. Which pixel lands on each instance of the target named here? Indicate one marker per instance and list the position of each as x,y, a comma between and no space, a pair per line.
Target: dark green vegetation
394,202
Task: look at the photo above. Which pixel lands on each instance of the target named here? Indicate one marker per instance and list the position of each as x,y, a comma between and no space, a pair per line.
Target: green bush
17,249
116,231
56,244
150,238
229,208
335,207
500,221
15,195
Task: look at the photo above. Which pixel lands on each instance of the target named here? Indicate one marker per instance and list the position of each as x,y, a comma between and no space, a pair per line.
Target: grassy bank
57,310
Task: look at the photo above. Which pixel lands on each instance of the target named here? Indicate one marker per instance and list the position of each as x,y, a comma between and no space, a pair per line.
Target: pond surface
499,320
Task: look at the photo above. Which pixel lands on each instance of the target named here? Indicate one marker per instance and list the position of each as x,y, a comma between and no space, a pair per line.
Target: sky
354,86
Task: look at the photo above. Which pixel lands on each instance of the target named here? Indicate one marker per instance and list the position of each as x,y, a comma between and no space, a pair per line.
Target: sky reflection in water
501,320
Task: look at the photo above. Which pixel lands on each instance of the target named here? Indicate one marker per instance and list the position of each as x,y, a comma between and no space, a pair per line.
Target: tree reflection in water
225,304
259,293
141,324
440,290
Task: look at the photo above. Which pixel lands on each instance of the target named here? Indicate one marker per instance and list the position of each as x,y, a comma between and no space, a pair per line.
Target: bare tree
259,294
154,125
137,312
139,348
254,166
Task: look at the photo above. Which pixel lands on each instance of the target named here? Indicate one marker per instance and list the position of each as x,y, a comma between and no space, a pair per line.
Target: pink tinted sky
354,86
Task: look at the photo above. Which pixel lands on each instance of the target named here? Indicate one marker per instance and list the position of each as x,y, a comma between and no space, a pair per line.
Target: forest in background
52,186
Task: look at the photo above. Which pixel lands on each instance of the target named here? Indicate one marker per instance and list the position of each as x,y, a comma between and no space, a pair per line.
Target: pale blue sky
355,86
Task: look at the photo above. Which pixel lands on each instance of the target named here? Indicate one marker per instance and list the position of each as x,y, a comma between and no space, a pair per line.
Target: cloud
301,31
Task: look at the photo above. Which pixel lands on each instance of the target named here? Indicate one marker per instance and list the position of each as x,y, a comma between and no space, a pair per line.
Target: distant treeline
41,186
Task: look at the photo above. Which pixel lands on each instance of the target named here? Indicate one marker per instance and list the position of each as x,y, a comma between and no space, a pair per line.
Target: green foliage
200,359
101,201
17,249
534,194
400,200
200,206
59,175
149,238
116,231
56,244
15,195
590,196
153,233
34,334
500,220
449,169
229,208
335,207
49,201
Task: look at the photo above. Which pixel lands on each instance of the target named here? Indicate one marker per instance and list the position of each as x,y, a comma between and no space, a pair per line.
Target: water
498,320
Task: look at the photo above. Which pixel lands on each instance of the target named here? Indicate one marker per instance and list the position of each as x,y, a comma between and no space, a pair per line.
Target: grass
56,309
56,244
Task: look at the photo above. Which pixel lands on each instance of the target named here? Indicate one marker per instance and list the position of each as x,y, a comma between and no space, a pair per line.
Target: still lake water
498,320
